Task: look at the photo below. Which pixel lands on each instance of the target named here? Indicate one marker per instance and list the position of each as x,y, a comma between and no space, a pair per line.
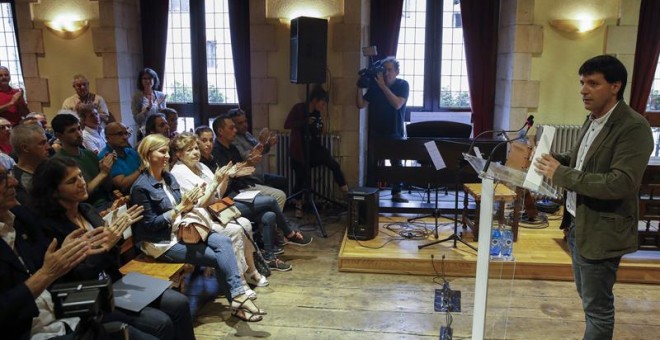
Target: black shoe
278,265
396,198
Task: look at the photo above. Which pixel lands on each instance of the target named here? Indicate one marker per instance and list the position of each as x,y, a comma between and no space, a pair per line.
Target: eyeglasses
121,133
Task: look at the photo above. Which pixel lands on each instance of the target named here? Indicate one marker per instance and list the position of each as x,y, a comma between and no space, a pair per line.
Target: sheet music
436,157
114,214
246,196
533,180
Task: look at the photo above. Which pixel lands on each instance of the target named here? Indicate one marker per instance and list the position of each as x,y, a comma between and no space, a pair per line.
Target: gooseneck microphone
528,123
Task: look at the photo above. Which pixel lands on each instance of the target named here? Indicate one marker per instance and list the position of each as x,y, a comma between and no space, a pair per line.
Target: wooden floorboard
539,254
316,301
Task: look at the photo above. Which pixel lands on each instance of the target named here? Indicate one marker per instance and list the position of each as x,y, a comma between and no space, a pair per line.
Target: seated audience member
58,194
95,172
126,168
29,264
251,151
172,118
93,135
164,206
5,145
189,172
39,118
303,118
31,146
84,96
12,103
263,209
157,123
205,141
5,132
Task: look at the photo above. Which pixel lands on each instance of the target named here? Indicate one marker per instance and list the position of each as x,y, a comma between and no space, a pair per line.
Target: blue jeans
216,253
594,280
265,210
158,320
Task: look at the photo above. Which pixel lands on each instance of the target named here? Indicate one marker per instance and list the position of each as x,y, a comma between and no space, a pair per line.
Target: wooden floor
316,301
539,254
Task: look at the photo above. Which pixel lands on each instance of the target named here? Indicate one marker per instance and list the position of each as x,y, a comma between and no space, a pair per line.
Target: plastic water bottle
506,243
495,240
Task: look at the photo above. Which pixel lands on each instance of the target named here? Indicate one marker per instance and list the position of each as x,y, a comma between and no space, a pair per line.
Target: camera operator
386,97
27,268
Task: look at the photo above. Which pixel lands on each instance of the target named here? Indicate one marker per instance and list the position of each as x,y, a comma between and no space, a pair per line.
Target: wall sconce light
67,28
576,25
286,10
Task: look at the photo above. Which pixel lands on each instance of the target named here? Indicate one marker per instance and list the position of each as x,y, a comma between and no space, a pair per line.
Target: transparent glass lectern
495,172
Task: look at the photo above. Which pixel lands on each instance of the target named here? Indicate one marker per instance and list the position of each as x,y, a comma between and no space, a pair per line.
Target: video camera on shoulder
83,299
367,75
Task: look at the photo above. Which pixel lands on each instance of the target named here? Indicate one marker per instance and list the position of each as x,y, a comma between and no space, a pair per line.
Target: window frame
200,109
433,62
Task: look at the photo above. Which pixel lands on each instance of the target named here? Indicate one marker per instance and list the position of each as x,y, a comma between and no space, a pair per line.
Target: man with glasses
81,85
5,146
127,166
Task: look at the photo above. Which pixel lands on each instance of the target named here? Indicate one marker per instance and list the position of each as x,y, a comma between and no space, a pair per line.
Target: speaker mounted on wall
309,50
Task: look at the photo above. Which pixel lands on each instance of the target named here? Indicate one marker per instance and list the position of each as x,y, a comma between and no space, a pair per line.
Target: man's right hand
105,164
58,262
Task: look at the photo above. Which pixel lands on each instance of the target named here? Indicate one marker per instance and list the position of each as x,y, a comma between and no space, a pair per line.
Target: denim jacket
156,224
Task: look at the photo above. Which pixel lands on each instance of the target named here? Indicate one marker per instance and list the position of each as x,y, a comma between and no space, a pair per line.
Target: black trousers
318,155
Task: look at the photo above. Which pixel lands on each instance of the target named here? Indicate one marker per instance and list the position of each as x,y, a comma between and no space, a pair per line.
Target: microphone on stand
522,135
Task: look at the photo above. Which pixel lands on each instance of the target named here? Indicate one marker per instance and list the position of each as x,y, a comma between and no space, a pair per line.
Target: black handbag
259,261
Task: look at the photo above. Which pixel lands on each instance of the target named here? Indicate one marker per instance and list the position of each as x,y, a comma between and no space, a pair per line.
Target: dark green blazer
607,188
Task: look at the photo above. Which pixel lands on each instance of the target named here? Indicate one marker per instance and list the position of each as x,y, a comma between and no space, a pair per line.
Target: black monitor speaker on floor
309,50
362,213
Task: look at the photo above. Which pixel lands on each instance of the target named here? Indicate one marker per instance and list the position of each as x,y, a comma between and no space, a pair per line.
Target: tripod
307,193
453,237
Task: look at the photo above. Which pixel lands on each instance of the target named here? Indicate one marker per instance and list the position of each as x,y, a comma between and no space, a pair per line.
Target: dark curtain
385,23
239,26
646,54
480,30
153,18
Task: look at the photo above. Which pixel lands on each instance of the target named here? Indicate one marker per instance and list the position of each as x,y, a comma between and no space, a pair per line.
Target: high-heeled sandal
247,305
246,316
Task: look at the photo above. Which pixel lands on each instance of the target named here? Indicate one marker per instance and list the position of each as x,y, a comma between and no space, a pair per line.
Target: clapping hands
191,197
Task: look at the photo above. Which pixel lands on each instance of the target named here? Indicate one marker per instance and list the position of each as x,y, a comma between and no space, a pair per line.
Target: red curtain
239,27
480,29
646,54
385,21
153,19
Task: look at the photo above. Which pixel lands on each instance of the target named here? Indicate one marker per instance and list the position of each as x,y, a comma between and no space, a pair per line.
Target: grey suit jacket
607,188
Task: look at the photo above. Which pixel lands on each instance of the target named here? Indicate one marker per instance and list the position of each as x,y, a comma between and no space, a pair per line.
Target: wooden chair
502,195
649,206
140,263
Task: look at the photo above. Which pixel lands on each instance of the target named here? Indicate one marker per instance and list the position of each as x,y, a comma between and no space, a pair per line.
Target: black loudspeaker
309,50
362,213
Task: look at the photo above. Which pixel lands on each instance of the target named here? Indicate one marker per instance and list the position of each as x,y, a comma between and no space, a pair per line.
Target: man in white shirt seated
93,135
83,95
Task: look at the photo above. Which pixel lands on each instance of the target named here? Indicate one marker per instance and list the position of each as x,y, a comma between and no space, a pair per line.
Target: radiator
322,180
565,138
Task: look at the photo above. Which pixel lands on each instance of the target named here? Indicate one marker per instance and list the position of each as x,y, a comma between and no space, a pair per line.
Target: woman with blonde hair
190,172
164,205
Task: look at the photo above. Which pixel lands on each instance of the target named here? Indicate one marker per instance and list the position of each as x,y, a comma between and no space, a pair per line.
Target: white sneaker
262,282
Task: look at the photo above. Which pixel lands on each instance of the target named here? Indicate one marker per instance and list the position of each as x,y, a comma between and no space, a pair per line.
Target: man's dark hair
168,111
62,121
201,129
319,93
392,60
152,74
235,112
150,124
610,67
219,123
45,182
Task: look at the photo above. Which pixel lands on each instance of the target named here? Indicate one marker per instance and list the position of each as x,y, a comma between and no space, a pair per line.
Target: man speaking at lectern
602,176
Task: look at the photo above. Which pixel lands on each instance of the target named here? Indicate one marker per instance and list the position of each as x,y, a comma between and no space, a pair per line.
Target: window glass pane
220,64
410,51
9,56
177,80
654,98
454,89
